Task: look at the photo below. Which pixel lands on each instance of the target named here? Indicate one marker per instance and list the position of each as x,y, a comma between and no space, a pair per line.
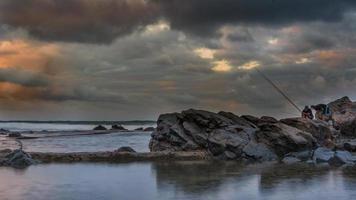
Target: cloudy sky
135,59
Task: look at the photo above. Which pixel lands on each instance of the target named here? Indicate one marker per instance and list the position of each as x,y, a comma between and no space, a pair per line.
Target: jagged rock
14,135
228,136
284,139
319,129
323,154
126,149
100,128
18,159
149,129
250,118
267,119
118,127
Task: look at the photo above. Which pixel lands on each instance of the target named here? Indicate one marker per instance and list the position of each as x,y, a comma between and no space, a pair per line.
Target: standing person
307,113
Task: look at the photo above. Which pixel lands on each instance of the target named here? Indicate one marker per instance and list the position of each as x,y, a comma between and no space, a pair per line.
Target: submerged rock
100,128
14,135
323,154
118,127
126,149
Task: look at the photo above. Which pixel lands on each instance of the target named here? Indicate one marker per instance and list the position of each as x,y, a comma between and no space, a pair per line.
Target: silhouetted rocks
149,129
14,135
126,149
118,128
139,129
100,128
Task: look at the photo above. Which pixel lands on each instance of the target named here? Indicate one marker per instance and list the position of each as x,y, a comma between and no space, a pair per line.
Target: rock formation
100,128
227,136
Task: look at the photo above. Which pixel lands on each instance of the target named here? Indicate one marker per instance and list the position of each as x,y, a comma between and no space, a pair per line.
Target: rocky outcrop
100,128
17,159
227,136
344,114
118,127
320,130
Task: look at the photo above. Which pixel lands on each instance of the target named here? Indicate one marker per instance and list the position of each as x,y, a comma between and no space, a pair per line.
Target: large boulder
320,130
284,139
344,115
100,128
227,136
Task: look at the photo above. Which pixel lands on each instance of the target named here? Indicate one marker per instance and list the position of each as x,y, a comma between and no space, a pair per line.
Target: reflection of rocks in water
211,177
302,173
196,176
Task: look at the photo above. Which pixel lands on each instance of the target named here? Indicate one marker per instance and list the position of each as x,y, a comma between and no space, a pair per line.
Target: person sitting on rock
307,113
323,112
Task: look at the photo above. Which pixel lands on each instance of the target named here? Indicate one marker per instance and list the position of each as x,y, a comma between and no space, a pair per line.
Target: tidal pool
177,180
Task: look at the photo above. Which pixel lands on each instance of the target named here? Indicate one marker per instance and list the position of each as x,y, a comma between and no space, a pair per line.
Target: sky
136,59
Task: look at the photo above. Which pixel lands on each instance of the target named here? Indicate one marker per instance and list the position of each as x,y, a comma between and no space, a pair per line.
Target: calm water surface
180,180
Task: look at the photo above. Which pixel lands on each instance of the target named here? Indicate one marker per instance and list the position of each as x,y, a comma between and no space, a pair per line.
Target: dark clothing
307,113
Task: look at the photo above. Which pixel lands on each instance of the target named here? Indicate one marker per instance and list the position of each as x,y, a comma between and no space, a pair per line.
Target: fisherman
307,113
324,113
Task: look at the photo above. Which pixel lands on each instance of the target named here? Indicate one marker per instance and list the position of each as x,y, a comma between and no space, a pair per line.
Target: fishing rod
278,89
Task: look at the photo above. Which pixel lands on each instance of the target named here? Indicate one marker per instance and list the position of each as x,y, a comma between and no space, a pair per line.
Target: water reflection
177,180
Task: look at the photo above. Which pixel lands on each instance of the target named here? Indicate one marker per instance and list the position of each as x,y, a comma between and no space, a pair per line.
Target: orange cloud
26,55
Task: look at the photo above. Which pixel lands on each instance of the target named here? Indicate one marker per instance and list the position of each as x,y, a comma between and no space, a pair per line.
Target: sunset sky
135,59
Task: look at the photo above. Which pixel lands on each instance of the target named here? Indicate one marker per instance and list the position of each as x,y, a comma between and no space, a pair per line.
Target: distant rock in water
126,149
100,128
139,129
14,135
227,136
118,127
4,131
149,129
18,159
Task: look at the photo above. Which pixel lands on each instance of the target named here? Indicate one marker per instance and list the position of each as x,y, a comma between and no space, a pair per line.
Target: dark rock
100,128
126,149
118,127
14,135
266,119
18,159
139,129
348,128
250,118
228,136
149,129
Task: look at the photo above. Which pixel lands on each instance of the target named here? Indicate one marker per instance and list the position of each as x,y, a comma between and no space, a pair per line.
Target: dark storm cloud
200,16
90,21
101,21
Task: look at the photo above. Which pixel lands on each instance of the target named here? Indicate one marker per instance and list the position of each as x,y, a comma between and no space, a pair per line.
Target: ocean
138,140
